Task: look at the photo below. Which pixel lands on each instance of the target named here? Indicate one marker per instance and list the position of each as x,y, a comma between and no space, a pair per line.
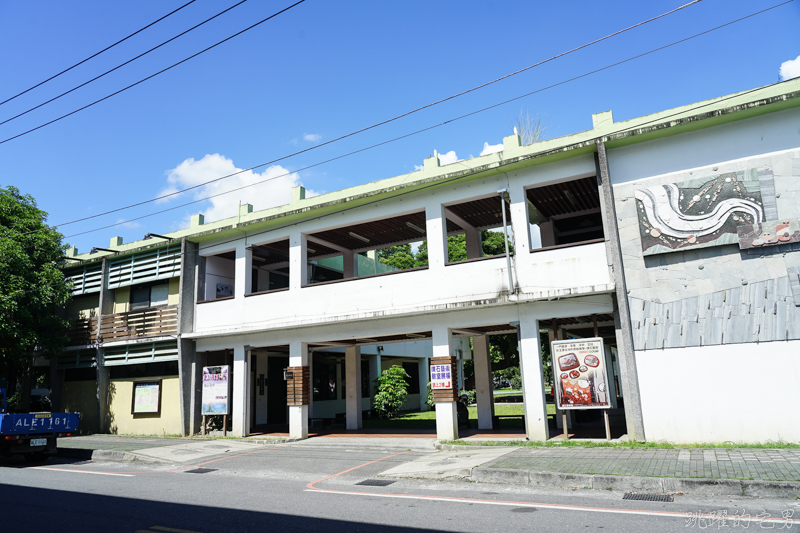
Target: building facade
672,236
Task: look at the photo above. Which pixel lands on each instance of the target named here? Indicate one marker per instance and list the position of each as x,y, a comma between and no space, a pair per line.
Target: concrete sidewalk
741,471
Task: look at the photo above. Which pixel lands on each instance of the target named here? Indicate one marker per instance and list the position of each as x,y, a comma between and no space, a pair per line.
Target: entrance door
276,390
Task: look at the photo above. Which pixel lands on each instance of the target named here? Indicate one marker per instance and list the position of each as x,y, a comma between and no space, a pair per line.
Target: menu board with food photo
580,377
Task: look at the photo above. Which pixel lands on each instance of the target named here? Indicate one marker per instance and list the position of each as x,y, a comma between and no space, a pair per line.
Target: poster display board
216,390
440,377
580,376
146,397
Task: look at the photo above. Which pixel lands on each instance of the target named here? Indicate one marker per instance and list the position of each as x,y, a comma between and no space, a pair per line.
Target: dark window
365,379
169,368
80,374
324,381
140,298
413,380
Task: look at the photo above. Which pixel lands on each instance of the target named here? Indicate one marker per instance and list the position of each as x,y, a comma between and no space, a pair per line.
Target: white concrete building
299,286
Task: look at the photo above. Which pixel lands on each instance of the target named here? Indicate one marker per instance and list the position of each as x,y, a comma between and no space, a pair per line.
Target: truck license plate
38,442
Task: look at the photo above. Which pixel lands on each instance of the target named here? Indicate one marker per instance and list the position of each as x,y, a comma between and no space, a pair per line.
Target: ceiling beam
452,217
327,244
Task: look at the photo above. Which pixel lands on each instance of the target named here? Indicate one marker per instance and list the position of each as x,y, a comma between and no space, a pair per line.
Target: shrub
392,392
472,396
429,400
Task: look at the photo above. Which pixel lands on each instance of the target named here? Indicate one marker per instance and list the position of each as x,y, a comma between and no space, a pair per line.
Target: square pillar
244,271
424,380
103,384
446,414
298,265
446,421
349,265
374,374
196,412
484,387
240,405
186,382
530,362
436,233
298,390
519,220
473,241
352,367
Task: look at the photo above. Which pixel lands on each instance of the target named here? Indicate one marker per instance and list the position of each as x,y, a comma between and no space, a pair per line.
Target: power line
97,53
123,64
156,74
449,121
348,134
455,178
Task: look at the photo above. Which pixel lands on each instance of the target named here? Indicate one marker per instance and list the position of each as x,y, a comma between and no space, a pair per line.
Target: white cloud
491,148
449,157
417,168
276,191
790,69
129,225
311,137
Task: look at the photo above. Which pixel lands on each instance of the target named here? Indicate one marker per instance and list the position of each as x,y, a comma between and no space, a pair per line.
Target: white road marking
82,471
555,506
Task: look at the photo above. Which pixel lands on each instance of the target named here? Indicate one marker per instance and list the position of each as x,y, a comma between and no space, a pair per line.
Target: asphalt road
303,488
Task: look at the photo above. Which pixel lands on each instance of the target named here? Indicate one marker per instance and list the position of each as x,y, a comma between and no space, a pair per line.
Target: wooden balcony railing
135,324
83,331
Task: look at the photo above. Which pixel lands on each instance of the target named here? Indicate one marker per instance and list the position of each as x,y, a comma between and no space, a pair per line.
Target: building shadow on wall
76,511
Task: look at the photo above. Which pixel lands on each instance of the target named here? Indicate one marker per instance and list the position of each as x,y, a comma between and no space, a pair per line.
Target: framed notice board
146,397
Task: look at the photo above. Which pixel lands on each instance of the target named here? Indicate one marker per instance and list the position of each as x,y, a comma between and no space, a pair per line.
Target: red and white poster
579,374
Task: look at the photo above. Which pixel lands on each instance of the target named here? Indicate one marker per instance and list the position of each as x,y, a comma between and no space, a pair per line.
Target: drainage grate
648,497
201,470
375,482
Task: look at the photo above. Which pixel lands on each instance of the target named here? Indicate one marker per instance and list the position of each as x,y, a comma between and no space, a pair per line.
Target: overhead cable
97,53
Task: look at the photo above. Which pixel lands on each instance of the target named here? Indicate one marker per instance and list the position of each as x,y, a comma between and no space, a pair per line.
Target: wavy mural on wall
697,214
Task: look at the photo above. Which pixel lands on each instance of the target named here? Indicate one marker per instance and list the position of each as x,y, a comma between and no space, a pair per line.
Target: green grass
427,419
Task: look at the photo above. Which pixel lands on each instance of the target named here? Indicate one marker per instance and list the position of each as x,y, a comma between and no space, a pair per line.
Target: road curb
124,457
697,486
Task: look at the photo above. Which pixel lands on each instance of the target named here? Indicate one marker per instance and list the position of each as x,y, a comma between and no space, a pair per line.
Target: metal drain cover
376,482
201,470
648,497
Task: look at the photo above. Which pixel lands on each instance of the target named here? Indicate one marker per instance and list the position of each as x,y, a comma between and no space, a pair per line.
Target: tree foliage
32,288
392,391
403,256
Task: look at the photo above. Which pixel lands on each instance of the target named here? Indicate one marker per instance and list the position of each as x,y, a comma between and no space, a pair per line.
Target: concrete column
424,379
244,271
483,381
298,414
519,219
103,377
298,266
530,362
446,421
103,384
241,391
186,347
629,377
436,234
374,373
352,364
196,411
446,417
474,248
350,265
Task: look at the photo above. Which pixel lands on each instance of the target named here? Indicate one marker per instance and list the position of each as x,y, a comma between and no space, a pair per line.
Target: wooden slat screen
446,395
83,331
298,385
148,323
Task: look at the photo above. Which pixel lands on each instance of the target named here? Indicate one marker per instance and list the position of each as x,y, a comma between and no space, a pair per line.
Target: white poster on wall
215,390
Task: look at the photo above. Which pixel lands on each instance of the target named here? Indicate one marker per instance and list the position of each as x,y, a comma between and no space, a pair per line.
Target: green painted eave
693,117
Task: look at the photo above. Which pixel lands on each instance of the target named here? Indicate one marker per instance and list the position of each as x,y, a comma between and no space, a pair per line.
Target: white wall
218,270
743,393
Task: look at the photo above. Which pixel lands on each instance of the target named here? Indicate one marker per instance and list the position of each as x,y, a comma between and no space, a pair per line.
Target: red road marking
563,507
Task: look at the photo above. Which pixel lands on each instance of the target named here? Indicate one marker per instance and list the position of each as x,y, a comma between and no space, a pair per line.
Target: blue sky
324,69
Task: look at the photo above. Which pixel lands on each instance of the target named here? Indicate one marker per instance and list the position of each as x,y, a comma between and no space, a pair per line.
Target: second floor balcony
82,331
152,322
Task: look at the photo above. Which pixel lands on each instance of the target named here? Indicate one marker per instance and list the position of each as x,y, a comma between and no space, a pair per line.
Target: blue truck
33,435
